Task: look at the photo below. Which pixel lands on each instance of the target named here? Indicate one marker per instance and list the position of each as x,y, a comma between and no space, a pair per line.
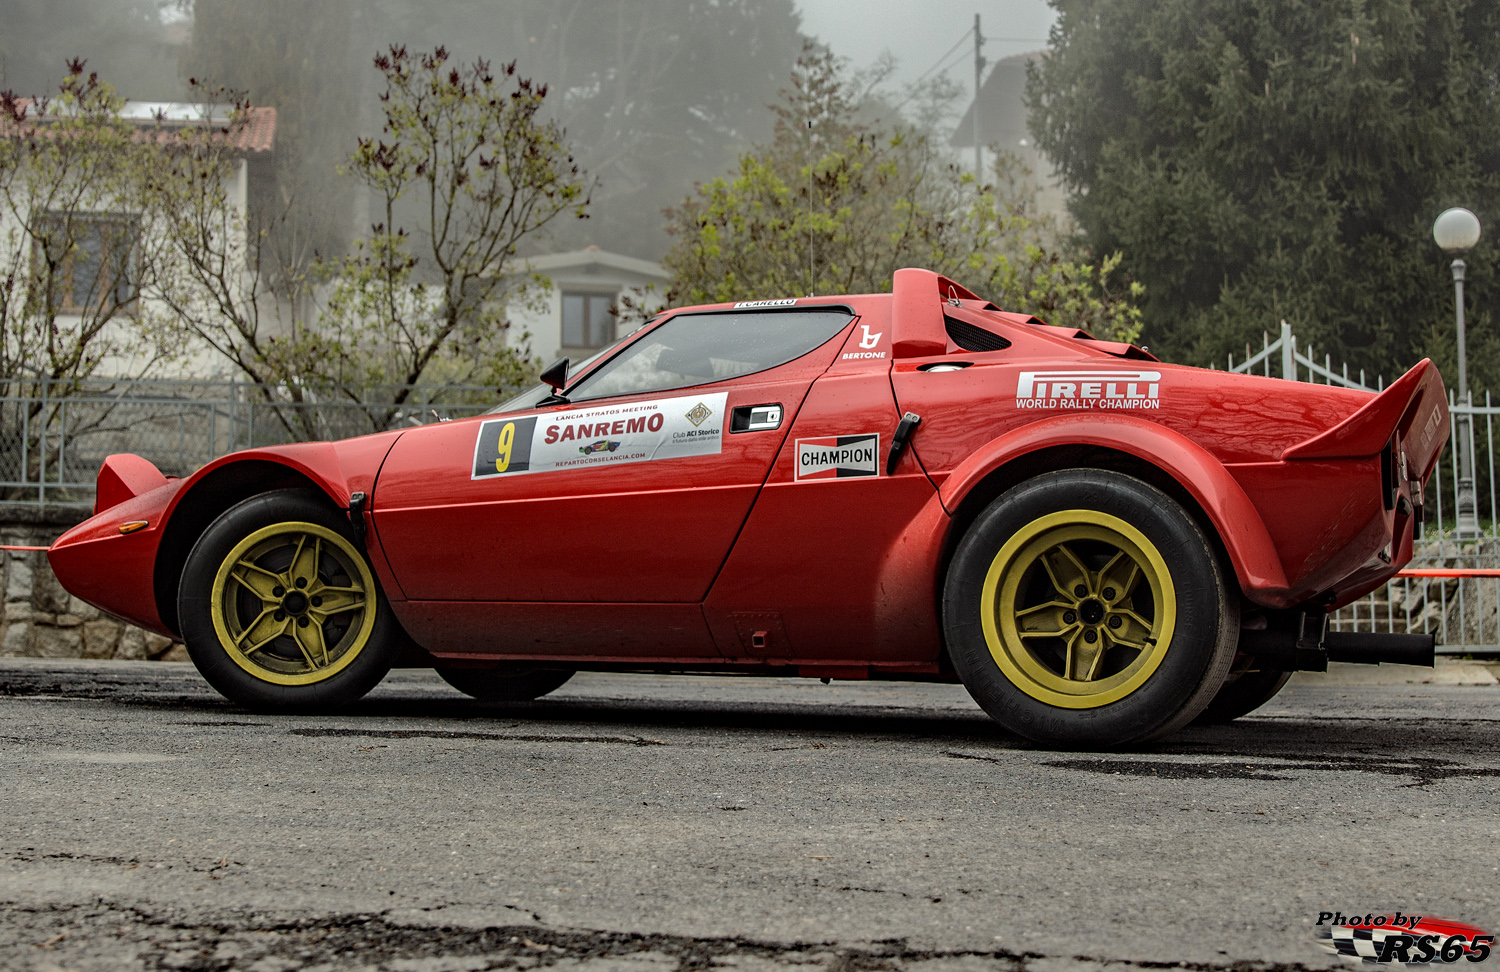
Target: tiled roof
255,135
259,131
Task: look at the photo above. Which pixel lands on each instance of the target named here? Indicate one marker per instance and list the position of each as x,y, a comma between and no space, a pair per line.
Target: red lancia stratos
1102,547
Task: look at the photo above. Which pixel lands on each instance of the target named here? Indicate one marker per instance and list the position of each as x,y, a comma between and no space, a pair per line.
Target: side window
694,349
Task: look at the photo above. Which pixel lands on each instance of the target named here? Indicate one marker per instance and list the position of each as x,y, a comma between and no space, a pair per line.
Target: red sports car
1101,546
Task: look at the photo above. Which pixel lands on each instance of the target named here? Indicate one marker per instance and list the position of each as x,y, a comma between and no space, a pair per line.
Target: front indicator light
133,526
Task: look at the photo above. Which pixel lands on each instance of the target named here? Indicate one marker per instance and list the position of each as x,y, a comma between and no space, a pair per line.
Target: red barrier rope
1412,573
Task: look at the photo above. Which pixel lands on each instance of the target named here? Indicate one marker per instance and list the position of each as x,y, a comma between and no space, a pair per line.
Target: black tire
352,648
1242,694
510,683
1071,529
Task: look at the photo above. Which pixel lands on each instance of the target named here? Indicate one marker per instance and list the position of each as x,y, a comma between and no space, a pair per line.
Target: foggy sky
919,33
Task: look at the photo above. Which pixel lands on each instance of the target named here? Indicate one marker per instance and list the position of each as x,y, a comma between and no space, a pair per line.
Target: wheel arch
207,495
1169,461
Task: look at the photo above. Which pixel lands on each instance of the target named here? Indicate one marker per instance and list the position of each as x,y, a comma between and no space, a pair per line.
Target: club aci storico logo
1401,939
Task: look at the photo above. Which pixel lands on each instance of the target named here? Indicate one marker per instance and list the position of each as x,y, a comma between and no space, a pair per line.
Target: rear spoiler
1415,407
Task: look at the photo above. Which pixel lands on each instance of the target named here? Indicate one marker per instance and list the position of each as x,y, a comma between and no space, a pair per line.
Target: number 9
503,447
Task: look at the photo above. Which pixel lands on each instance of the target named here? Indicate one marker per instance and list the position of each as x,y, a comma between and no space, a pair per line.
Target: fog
656,95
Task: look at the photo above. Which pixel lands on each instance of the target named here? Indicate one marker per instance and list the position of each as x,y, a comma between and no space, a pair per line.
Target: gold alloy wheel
1078,609
293,603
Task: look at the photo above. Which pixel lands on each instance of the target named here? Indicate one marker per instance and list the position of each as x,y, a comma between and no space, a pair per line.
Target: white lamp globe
1456,230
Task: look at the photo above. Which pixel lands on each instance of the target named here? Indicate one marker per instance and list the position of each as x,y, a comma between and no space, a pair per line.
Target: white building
587,286
97,284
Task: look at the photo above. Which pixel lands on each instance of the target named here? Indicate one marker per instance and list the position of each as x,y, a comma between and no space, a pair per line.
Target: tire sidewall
194,610
1191,669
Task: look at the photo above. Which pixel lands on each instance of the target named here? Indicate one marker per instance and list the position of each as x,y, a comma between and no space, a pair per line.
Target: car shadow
1349,737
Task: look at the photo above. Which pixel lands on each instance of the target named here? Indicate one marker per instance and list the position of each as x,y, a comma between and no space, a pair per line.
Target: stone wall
41,620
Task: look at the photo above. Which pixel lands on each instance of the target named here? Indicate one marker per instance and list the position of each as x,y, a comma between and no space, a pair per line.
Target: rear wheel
1086,608
279,608
512,683
1245,692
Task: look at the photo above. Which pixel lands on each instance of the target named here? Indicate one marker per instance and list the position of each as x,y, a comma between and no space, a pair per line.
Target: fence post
1288,353
41,478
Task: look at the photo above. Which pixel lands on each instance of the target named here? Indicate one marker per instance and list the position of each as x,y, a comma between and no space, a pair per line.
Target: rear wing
1414,408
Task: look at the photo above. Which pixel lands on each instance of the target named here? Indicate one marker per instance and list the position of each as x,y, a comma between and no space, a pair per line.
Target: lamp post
1456,230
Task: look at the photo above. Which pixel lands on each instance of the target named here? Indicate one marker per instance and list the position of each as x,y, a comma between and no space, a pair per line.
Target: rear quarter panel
1243,423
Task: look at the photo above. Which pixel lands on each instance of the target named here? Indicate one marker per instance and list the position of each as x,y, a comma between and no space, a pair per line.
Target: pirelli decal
838,457
591,438
1097,389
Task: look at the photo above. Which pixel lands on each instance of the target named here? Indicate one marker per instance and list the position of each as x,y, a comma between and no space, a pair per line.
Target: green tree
837,202
470,147
1260,160
464,170
72,250
72,255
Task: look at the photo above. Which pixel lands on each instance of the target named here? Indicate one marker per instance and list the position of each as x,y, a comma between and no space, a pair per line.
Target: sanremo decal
838,456
666,428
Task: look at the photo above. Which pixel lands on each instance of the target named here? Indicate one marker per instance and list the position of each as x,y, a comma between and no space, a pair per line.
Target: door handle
755,418
904,429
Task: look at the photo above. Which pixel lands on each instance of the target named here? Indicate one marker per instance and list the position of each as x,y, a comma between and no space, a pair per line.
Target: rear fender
1238,524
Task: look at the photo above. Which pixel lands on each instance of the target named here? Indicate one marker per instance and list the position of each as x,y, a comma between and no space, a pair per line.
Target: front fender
1256,564
338,469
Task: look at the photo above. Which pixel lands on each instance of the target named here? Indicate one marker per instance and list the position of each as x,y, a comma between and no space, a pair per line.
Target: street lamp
1456,230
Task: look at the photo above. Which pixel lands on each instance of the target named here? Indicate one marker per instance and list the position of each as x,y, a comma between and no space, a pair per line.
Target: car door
830,568
630,492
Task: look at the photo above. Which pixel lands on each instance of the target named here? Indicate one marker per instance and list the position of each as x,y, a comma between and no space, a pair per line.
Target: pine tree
1260,160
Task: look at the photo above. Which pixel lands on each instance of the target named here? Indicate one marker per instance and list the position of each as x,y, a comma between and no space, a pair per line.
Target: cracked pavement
646,822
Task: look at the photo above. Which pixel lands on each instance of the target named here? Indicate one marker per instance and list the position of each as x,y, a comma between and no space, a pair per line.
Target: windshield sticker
780,302
838,457
666,428
1089,389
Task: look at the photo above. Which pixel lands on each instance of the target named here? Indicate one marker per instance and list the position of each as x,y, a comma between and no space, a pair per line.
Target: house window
587,321
94,256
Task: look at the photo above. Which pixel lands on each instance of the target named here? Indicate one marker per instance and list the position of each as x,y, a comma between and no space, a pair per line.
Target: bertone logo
1089,389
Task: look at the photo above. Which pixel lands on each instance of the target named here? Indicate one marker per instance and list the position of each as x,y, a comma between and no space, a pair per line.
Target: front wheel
1087,609
280,610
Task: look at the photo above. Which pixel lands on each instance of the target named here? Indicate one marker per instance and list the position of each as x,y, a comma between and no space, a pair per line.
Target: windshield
695,349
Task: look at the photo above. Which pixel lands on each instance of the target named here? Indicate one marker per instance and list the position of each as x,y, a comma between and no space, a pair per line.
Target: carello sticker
779,302
588,438
838,457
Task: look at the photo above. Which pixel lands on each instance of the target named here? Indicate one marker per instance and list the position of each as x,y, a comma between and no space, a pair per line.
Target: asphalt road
645,823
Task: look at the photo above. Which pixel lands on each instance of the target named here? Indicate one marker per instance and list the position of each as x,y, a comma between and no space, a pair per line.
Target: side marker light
133,526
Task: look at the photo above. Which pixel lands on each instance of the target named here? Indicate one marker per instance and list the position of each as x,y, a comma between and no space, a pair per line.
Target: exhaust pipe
1301,641
1373,649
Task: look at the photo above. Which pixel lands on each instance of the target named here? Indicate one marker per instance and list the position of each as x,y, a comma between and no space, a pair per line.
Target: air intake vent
971,337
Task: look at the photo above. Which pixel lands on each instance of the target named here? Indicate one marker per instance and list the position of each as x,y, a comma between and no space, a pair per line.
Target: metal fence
52,444
1464,613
